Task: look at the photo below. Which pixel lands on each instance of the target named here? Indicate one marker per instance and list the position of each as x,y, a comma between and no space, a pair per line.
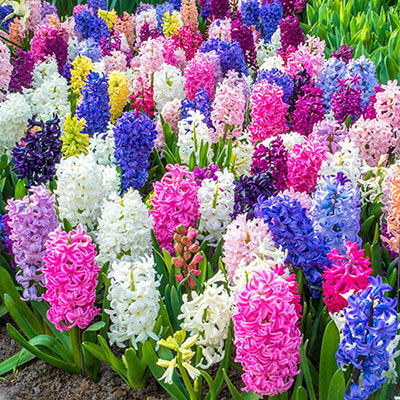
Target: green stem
75,337
186,380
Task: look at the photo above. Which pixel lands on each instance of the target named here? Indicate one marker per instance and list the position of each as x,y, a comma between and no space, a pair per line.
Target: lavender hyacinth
35,158
134,135
335,211
94,106
371,325
30,220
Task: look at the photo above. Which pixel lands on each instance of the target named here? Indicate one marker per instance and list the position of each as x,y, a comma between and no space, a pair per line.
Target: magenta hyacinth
70,278
267,334
174,203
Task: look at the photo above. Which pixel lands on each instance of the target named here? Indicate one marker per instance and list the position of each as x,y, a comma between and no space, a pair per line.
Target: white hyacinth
43,70
14,115
168,85
192,132
347,160
372,182
134,301
101,147
216,200
124,230
242,155
82,186
208,314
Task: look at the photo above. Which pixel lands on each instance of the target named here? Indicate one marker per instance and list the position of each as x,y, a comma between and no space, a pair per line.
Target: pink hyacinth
228,110
170,113
5,68
35,18
188,39
220,29
387,104
199,73
267,334
174,203
303,198
304,164
348,274
268,112
241,241
116,61
151,55
70,278
374,138
47,41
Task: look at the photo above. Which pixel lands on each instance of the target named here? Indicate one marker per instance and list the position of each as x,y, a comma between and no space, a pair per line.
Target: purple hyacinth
345,53
36,156
30,220
21,75
134,135
280,79
244,36
291,32
89,25
208,172
371,325
219,8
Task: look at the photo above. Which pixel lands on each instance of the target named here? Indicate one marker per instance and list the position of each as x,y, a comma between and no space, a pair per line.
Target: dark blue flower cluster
230,55
5,11
250,10
271,14
36,156
201,103
279,78
248,190
94,106
371,325
292,229
134,135
89,25
335,211
96,4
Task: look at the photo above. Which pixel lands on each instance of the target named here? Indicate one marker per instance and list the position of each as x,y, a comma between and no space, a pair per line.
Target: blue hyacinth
328,79
134,135
280,79
90,49
271,14
230,55
371,324
292,229
335,211
161,9
200,103
250,10
5,11
88,25
96,4
366,70
94,106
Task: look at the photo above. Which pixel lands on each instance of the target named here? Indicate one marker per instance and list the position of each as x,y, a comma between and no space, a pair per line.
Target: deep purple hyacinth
284,81
371,325
248,190
21,75
208,172
110,43
345,53
301,80
36,156
134,135
291,32
94,106
347,101
292,229
219,8
291,7
273,159
308,111
244,36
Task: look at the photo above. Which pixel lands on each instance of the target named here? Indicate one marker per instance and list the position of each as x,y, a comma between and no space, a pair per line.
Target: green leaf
236,395
337,386
20,190
307,374
15,361
210,382
300,394
136,369
95,327
328,364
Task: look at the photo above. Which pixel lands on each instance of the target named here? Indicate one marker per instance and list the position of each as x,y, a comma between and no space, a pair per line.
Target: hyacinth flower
370,328
134,136
38,152
348,273
29,222
292,229
266,316
74,142
336,210
187,256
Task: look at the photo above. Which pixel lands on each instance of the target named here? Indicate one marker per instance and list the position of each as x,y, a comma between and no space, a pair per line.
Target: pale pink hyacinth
70,278
115,62
5,69
151,55
241,242
374,138
267,335
304,164
34,18
199,73
268,112
170,113
220,29
303,198
228,110
174,203
387,104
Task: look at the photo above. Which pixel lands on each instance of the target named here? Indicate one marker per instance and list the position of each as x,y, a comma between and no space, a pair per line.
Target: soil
39,381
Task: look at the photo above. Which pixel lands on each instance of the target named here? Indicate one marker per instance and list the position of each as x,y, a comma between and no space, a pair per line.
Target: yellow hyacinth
81,67
74,142
118,89
109,16
171,23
